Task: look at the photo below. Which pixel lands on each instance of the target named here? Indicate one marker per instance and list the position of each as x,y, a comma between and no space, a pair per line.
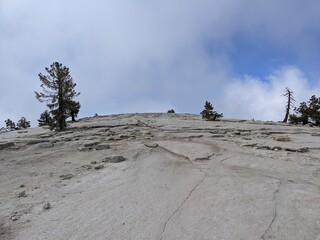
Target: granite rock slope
161,176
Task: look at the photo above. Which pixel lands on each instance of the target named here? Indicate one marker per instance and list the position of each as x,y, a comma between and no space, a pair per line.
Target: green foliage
45,119
171,111
73,109
307,112
23,123
10,124
208,112
58,93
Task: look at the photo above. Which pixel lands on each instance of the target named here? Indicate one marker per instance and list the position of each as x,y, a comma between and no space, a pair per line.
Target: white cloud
250,97
161,54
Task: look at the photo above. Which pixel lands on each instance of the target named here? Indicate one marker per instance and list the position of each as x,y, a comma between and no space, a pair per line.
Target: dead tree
290,101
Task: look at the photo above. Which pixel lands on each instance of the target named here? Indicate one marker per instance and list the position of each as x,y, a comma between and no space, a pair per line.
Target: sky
151,56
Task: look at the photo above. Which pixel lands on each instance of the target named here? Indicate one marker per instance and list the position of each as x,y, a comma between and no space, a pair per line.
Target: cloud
129,56
250,97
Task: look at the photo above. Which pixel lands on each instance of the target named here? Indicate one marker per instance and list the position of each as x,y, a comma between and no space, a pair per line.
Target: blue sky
151,56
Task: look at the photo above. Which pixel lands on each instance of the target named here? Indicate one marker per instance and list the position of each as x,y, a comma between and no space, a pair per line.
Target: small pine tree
208,112
10,124
45,119
73,110
23,123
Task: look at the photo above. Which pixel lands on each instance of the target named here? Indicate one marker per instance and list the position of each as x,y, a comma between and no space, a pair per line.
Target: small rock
249,145
66,176
281,138
24,131
93,162
151,145
46,206
45,145
82,149
22,186
88,167
245,133
36,141
246,138
302,150
14,218
102,146
217,135
315,134
276,148
91,144
103,130
98,167
22,194
114,159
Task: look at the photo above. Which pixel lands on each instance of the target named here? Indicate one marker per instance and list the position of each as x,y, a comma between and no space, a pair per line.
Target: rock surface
183,178
4,145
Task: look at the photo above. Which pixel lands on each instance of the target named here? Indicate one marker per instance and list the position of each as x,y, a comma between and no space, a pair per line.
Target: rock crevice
268,232
179,207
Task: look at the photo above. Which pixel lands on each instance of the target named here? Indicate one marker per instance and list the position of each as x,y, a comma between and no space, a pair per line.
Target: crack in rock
176,154
225,159
205,158
266,234
180,206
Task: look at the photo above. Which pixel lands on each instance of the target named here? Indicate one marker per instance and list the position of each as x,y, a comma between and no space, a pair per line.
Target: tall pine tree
58,92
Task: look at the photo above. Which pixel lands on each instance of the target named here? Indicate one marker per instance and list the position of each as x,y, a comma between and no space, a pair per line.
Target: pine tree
289,95
307,112
23,123
10,124
208,112
73,110
58,92
45,119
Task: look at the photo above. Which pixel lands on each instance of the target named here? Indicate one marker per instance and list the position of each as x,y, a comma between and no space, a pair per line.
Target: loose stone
114,159
46,206
22,194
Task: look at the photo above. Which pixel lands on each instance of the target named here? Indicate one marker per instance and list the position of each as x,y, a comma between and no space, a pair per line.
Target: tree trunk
73,117
288,106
